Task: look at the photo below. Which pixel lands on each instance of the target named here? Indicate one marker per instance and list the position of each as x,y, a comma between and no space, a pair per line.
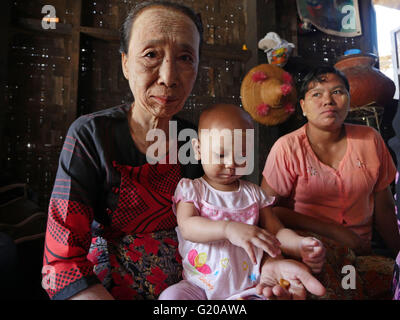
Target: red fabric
68,239
149,190
144,206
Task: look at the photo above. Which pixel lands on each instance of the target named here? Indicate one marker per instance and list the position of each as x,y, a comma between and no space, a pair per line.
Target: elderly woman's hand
296,273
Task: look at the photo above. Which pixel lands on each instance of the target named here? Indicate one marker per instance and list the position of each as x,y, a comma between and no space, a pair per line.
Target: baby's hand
312,253
247,236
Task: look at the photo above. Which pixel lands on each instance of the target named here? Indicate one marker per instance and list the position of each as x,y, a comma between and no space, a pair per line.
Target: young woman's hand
247,237
350,239
312,252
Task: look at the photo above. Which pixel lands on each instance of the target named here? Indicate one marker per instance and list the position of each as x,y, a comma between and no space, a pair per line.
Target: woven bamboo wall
56,75
53,76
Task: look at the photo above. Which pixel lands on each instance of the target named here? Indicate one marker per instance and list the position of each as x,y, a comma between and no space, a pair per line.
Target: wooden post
4,38
261,18
74,56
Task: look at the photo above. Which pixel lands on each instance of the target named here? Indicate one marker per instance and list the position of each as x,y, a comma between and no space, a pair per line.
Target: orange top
345,195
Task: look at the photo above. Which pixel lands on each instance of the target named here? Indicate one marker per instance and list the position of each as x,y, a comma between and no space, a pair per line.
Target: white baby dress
220,268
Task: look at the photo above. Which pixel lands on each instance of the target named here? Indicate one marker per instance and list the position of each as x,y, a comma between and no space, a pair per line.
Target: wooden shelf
208,100
25,24
101,33
215,51
226,52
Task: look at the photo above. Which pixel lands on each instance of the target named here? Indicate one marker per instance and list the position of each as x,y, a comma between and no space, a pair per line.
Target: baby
225,224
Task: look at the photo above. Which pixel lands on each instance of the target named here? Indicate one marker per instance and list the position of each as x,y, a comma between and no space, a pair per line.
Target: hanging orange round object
367,84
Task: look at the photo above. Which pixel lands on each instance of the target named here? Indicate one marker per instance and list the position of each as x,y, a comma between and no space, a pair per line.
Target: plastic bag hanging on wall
334,17
277,50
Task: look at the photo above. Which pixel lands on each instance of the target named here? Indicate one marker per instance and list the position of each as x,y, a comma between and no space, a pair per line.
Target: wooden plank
101,33
251,37
36,25
228,52
266,22
293,27
369,37
251,33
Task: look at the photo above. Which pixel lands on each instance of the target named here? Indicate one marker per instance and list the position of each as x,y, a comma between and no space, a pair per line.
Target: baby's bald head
226,133
225,116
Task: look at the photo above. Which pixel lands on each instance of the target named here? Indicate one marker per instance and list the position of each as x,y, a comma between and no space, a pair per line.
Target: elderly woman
333,178
110,230
105,185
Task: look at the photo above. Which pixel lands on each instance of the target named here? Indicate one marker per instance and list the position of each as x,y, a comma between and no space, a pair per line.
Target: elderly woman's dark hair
126,27
316,75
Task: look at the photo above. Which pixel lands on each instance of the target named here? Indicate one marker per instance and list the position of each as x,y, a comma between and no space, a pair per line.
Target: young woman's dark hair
316,75
126,27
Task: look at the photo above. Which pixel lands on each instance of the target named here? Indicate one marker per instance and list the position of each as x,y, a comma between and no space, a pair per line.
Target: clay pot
367,83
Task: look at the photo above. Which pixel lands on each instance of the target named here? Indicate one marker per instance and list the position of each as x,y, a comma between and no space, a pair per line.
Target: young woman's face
162,60
326,103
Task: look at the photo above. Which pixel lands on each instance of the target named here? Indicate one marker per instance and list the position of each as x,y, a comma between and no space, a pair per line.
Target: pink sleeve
387,169
264,200
278,171
185,191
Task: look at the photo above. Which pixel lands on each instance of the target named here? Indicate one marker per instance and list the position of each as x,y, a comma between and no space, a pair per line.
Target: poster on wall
334,17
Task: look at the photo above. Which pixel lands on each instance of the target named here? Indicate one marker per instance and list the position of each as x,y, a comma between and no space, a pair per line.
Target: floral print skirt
373,274
141,266
137,266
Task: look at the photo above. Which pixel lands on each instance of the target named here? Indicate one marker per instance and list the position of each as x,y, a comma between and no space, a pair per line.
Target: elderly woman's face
162,61
326,103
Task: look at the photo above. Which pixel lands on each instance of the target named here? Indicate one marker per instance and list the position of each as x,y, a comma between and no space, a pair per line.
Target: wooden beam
251,33
36,25
369,31
227,52
101,33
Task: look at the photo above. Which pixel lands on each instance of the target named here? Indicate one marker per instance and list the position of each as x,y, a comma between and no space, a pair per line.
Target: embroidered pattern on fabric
360,164
311,171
